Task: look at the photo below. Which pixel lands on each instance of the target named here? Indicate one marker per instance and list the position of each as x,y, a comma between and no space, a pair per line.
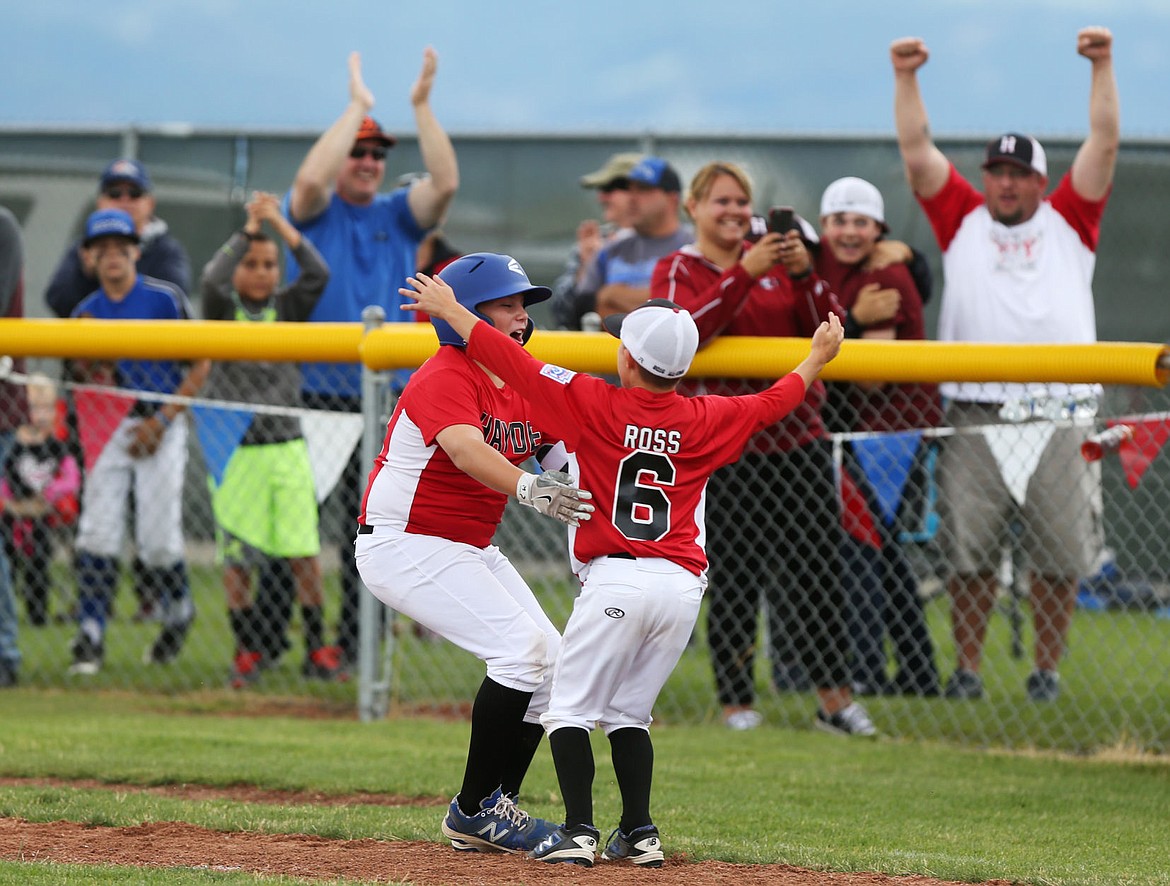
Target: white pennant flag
331,437
1017,450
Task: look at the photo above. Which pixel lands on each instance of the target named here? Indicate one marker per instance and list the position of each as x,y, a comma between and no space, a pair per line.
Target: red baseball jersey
732,302
646,457
414,486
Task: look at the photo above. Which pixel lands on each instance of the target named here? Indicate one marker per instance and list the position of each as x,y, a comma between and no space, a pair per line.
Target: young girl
38,494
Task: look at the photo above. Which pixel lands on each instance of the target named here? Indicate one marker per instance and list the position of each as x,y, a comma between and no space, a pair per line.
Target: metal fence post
372,693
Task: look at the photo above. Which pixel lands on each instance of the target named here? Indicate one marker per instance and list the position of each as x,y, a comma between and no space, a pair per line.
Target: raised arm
826,344
430,197
314,182
1092,169
926,166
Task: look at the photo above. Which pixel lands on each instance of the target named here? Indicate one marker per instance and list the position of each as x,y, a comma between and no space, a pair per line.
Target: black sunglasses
117,193
618,184
362,153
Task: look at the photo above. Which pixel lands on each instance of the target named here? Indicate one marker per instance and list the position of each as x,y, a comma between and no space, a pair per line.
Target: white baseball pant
471,596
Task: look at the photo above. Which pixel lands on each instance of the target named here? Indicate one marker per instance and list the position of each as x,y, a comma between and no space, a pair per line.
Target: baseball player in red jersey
646,453
424,544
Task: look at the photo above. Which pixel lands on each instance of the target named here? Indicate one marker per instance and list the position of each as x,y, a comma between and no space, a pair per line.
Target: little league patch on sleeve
557,373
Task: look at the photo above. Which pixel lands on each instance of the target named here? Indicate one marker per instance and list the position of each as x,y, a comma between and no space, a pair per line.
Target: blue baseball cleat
499,826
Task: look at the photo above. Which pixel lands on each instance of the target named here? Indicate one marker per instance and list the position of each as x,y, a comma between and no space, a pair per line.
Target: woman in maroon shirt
772,517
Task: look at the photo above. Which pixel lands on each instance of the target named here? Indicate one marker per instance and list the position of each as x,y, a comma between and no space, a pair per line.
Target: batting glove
553,494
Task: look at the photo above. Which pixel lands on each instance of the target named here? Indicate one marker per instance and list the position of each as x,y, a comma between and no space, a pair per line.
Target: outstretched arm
430,197
926,166
313,185
826,344
1092,169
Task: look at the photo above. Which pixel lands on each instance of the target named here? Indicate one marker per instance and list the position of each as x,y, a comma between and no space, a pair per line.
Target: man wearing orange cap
369,241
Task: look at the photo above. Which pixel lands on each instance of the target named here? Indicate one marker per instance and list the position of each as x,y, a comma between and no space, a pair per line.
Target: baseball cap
616,167
852,194
655,172
125,170
1019,150
660,336
371,130
109,223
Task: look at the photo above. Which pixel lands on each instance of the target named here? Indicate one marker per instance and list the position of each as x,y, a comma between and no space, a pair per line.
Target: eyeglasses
362,153
117,193
618,184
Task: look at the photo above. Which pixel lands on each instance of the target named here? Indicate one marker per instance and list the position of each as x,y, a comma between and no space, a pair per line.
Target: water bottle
1106,441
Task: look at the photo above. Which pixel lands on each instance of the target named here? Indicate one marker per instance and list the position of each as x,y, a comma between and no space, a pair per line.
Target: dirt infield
178,844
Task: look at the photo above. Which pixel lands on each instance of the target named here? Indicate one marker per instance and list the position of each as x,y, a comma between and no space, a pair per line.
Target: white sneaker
850,720
741,721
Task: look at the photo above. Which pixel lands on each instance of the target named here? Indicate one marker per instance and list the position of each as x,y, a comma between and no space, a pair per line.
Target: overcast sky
550,65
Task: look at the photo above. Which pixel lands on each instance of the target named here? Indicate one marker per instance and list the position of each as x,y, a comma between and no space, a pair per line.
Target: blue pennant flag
220,432
886,461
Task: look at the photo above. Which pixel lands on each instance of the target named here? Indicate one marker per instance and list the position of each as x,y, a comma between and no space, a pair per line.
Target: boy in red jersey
646,453
424,548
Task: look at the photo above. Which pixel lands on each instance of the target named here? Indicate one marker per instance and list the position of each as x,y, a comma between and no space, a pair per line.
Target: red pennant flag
1136,454
856,518
98,415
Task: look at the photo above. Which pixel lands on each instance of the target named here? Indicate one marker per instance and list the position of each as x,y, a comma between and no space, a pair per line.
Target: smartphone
781,219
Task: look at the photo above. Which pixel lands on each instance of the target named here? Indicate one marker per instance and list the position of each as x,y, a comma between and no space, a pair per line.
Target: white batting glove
553,494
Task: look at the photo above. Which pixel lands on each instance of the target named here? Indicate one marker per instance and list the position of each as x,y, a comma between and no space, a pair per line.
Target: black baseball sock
633,765
516,763
313,624
573,757
495,731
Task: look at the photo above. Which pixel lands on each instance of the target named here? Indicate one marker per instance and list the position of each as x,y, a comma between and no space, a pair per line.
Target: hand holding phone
782,219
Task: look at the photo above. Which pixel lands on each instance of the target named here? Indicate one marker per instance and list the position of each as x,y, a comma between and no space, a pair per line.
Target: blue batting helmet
481,277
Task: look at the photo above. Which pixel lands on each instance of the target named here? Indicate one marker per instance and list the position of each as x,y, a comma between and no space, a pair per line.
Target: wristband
162,418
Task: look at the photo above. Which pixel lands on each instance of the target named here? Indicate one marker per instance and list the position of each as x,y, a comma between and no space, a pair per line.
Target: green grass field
1115,691
1069,793
772,795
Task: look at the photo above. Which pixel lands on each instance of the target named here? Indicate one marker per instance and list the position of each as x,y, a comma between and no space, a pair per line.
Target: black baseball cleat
575,845
641,846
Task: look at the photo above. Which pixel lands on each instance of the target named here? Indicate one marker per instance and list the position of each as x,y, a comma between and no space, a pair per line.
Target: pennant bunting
886,461
220,432
1136,454
1017,450
98,415
331,438
856,518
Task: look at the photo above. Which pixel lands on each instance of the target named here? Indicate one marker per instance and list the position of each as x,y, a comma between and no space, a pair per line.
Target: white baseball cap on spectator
852,194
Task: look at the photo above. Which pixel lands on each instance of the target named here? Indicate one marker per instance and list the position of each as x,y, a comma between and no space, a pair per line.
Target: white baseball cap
660,336
852,194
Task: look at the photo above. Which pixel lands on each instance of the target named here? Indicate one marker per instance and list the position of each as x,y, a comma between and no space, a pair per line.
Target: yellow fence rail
407,345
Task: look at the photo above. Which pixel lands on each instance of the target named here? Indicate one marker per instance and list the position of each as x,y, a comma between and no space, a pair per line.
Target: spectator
880,582
774,522
612,183
1007,247
38,497
265,504
126,185
424,545
618,279
12,414
370,243
147,450
649,453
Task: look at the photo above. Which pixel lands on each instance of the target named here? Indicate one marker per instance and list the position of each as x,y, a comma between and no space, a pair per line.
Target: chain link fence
520,196
892,554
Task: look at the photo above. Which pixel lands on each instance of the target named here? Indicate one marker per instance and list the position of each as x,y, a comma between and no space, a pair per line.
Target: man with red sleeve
1018,267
